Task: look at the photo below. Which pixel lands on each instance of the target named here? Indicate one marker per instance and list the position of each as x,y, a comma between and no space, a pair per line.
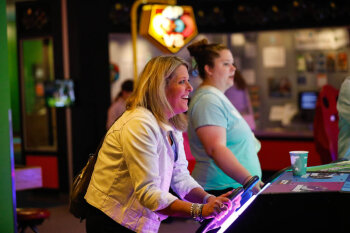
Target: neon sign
168,27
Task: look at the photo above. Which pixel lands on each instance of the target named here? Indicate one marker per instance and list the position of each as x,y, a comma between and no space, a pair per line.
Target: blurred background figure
343,107
239,96
118,106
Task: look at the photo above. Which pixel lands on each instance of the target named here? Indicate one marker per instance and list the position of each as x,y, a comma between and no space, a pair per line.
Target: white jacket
134,170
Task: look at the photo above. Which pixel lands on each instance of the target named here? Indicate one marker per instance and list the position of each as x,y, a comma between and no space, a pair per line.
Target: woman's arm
343,104
213,139
213,208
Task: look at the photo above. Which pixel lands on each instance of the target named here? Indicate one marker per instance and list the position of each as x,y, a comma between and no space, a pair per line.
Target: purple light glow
237,213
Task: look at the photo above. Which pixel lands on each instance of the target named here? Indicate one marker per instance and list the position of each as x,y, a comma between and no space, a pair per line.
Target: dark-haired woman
221,141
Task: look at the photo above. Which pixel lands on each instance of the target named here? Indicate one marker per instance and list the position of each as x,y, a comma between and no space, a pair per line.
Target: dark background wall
89,68
250,15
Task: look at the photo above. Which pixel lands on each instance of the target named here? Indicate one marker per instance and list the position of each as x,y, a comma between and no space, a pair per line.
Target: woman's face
223,71
178,89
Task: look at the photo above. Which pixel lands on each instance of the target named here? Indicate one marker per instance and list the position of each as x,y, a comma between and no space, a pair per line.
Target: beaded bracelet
196,211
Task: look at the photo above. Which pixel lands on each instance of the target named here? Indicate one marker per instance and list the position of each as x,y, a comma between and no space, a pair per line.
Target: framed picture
301,63
310,62
342,61
279,87
330,62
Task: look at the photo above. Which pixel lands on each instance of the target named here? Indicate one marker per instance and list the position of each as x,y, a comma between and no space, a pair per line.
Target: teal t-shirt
209,106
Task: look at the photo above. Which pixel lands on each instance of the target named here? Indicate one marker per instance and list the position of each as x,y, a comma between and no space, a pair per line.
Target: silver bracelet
205,199
191,212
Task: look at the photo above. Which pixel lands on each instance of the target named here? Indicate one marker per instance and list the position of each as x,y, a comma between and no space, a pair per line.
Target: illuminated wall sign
168,27
321,39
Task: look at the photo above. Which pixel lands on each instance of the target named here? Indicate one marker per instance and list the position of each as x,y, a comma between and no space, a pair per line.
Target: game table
316,202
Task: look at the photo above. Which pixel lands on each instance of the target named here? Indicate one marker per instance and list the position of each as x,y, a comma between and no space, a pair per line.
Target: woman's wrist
196,212
206,198
246,179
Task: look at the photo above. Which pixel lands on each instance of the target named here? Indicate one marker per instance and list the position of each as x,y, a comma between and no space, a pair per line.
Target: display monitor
59,93
308,100
307,104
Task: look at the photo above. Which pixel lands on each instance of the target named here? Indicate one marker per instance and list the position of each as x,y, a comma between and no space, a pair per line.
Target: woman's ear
207,69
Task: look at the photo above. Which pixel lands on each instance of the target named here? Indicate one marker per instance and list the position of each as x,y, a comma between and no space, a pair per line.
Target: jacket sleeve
343,105
182,182
139,140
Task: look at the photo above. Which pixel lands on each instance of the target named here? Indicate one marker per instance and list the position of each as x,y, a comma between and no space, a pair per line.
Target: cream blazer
134,170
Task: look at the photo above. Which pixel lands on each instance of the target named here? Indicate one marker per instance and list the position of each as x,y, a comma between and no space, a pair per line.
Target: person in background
239,96
221,141
142,156
343,107
119,104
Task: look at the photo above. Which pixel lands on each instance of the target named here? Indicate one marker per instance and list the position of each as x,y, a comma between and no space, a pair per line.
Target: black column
89,68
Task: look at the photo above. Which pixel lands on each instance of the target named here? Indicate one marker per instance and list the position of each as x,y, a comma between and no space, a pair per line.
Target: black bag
77,204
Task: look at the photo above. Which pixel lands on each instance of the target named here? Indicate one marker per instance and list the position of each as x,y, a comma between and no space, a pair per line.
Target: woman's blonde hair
149,91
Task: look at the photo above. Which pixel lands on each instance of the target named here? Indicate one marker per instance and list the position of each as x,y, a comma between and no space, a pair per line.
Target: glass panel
39,121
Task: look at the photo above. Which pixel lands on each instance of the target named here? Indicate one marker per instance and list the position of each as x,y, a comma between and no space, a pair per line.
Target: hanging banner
321,39
168,27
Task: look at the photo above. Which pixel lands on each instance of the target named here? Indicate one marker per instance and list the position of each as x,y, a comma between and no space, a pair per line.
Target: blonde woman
142,156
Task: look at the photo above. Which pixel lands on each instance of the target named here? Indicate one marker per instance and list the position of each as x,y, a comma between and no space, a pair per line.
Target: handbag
77,203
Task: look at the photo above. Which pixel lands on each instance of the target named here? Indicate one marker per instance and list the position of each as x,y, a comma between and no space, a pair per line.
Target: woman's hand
218,207
257,187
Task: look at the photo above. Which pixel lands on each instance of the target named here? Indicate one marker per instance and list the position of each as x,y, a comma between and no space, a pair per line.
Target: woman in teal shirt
221,141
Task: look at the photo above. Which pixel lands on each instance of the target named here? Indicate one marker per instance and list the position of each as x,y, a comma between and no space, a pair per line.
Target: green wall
13,69
7,195
32,55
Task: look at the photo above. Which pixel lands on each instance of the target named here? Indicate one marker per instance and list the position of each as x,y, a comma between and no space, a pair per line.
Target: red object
326,127
189,25
191,160
49,168
274,154
27,214
30,217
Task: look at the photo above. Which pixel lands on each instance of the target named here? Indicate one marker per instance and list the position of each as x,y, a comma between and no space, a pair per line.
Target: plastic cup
298,161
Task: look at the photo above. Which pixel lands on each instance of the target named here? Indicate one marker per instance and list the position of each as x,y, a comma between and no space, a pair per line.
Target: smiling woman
177,90
143,154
